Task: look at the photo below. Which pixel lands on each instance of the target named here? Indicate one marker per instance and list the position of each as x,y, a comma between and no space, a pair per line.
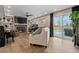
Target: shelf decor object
9,23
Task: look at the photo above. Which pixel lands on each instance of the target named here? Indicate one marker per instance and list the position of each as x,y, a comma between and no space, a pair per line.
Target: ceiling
35,10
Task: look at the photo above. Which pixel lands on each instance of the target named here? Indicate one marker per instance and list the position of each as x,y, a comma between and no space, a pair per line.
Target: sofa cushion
38,31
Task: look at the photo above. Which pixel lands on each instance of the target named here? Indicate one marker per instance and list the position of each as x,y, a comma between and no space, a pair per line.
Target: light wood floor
56,45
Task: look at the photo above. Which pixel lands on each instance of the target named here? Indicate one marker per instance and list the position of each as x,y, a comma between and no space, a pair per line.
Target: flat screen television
22,20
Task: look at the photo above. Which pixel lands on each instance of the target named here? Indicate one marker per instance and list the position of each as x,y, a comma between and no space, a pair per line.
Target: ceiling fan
28,14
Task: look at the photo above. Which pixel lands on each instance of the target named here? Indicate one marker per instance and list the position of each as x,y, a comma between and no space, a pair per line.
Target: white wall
42,21
62,12
2,11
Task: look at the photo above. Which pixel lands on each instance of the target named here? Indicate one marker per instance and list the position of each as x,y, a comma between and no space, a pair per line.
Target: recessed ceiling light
9,6
35,16
40,14
8,10
45,13
55,9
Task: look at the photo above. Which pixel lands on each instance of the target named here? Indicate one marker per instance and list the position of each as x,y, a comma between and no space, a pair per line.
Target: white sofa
40,39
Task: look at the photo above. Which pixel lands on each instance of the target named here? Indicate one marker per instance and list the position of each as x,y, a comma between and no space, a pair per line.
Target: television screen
22,20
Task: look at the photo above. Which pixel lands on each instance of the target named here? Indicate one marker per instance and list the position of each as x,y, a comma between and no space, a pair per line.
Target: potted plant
75,20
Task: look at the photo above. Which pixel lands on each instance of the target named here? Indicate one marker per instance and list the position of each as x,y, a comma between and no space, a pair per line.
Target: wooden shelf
20,24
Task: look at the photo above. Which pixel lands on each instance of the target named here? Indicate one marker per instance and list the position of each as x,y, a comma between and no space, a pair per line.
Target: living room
37,29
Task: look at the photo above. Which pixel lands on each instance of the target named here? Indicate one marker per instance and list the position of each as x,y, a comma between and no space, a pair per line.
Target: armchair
41,38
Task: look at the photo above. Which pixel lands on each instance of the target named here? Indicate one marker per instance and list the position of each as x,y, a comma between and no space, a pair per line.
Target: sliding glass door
57,24
62,26
67,27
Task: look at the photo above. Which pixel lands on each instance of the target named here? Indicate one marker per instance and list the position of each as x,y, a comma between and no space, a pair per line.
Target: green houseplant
75,18
75,24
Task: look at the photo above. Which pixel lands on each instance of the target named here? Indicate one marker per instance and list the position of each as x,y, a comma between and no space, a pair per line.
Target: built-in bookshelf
20,23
